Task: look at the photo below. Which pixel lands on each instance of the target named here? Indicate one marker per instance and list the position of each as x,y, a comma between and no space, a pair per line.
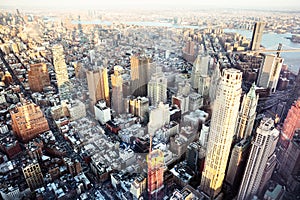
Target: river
271,40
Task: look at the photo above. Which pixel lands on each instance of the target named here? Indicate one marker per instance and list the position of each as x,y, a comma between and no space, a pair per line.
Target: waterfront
270,41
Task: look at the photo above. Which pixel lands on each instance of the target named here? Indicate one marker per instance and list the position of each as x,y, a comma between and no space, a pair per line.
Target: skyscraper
225,112
200,68
38,77
269,72
247,114
157,88
61,72
262,152
117,91
98,85
257,35
156,167
140,70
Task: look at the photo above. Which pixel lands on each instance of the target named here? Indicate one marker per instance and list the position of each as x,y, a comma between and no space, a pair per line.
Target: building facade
38,77
225,112
262,151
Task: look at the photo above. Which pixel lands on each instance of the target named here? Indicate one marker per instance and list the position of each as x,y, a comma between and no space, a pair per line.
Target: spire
251,92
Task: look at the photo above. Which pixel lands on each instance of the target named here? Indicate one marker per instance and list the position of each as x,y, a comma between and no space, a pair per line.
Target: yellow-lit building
33,176
156,166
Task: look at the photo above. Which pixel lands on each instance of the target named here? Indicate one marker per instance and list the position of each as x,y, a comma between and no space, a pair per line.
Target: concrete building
33,176
76,109
38,77
158,117
117,91
257,35
97,80
102,113
200,68
157,88
237,164
61,72
247,114
261,156
138,106
28,121
140,69
269,72
195,101
225,112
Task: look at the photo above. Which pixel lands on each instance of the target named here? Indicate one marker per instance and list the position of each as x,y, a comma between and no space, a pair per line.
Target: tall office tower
262,152
33,175
38,77
195,155
28,121
290,125
157,88
117,92
158,117
97,80
214,83
200,68
189,51
290,165
240,151
237,164
61,72
294,95
257,35
156,166
225,112
139,70
247,114
269,72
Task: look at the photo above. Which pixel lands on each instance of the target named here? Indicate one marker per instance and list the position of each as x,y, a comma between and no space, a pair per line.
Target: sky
245,4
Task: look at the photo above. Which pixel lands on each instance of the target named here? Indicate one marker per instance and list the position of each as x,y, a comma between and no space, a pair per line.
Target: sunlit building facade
257,35
38,77
156,168
28,121
225,112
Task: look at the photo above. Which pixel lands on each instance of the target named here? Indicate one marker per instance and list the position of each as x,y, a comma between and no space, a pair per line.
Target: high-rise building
139,106
290,126
156,166
140,70
262,152
117,91
237,164
247,114
225,112
28,121
195,155
98,85
240,151
269,72
159,117
102,113
200,68
33,175
290,165
214,82
157,88
38,77
257,35
61,72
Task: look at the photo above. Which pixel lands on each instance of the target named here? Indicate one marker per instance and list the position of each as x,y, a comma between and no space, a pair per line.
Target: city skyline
150,4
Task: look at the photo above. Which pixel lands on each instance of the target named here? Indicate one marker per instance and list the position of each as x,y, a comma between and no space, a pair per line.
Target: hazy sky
294,4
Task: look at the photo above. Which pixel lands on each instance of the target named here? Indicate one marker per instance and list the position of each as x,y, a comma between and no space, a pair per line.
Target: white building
200,68
270,71
102,113
157,88
158,117
262,151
